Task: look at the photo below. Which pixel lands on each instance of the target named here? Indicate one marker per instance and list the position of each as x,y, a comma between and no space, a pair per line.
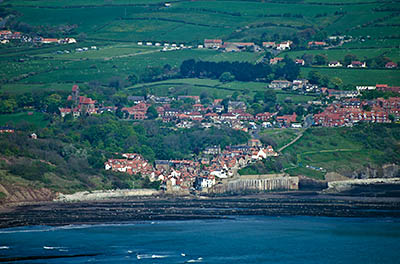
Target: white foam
195,260
152,256
183,254
4,247
158,256
51,248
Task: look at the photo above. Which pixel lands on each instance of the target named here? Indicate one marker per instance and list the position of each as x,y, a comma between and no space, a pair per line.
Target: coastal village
210,168
215,165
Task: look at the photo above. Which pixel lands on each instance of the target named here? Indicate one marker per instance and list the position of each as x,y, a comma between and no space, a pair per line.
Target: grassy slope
186,21
36,118
215,88
337,150
358,76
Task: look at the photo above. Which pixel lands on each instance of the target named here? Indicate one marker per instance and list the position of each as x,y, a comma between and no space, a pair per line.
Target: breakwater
258,183
106,194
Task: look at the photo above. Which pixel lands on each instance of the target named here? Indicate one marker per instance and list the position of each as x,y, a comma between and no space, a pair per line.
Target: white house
334,64
220,174
284,45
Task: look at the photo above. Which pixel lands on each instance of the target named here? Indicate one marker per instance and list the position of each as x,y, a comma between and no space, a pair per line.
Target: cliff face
17,194
386,171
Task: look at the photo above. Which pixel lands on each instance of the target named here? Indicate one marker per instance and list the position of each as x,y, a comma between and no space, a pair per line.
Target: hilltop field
115,27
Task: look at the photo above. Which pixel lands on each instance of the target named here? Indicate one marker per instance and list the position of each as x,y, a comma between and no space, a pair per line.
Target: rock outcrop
369,172
20,194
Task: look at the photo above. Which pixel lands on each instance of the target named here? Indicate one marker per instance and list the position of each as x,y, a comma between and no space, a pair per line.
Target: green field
337,150
214,88
36,118
192,21
124,22
280,136
339,54
358,76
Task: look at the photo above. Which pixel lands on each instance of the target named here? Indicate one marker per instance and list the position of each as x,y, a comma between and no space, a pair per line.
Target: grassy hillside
358,76
115,26
191,21
214,88
341,150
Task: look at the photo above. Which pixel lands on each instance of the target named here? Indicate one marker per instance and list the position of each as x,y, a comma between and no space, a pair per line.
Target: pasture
37,119
114,26
358,76
192,21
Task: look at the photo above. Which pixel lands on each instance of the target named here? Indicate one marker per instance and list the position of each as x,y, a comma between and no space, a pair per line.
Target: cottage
284,45
361,88
300,62
334,64
316,44
264,116
236,105
212,43
6,130
49,40
136,99
357,64
269,45
195,98
391,65
286,120
214,150
276,60
65,111
280,84
338,94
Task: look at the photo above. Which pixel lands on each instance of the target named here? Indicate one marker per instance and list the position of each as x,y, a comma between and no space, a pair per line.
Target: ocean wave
4,247
150,256
195,260
51,248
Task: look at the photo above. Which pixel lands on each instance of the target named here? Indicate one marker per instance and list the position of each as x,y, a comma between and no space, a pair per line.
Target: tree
256,108
235,95
226,77
349,58
133,79
151,113
152,74
325,81
321,59
337,82
187,68
291,70
299,110
269,96
314,77
116,82
7,106
308,59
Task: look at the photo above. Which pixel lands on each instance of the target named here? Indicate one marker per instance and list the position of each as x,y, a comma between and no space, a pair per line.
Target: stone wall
257,184
103,195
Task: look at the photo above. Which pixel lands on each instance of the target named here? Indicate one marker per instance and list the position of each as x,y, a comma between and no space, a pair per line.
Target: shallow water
243,240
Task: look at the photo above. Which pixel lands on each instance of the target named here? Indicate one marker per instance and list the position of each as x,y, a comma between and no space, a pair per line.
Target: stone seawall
105,194
258,184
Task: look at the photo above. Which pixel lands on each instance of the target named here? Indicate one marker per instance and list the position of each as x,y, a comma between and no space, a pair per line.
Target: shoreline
159,208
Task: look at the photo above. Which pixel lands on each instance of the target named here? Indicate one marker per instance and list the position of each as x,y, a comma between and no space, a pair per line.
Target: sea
245,239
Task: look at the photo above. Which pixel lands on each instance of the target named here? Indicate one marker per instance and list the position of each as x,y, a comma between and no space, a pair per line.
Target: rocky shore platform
156,208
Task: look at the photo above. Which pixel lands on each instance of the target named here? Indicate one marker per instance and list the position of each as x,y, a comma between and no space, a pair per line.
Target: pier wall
258,184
